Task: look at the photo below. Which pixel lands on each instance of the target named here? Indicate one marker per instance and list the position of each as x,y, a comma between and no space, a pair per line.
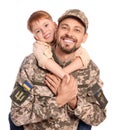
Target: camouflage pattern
76,13
40,111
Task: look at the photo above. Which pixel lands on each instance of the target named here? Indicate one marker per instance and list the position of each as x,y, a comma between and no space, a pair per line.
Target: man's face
70,35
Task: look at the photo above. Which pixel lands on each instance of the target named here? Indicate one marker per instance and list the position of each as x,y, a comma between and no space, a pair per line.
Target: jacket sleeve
90,111
91,104
41,103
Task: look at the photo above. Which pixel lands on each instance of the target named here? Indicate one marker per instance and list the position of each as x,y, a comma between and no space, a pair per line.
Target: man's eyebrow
64,24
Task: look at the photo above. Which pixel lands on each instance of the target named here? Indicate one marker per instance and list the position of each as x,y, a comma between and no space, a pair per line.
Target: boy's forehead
41,21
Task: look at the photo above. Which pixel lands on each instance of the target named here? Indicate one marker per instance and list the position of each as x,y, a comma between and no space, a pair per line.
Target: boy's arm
54,68
82,59
42,52
75,65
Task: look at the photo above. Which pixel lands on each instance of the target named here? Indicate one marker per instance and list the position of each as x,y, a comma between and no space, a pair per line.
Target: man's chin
67,51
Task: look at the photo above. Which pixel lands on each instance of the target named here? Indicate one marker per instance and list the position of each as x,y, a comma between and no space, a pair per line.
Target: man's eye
64,27
77,30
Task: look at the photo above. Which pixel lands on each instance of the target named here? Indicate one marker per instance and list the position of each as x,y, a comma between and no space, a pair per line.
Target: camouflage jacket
39,111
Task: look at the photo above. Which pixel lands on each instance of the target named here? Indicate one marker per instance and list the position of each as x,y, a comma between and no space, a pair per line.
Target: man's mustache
69,37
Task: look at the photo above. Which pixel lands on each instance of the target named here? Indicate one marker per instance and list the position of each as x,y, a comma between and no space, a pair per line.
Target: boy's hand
53,82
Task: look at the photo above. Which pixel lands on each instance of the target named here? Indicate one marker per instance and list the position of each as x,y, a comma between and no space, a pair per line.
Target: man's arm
84,106
41,103
91,104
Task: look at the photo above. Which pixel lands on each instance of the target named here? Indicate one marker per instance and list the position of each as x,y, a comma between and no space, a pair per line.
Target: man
55,104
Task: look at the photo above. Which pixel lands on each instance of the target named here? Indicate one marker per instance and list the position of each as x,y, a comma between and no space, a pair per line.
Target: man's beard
67,51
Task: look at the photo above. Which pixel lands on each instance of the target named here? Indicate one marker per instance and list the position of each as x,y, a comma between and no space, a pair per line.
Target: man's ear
85,37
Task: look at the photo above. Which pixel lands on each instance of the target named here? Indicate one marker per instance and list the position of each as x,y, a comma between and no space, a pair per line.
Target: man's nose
69,32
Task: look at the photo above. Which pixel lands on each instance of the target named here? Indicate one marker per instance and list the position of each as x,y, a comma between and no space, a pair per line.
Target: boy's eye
46,25
38,31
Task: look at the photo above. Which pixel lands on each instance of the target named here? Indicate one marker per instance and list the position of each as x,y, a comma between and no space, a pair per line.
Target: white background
16,43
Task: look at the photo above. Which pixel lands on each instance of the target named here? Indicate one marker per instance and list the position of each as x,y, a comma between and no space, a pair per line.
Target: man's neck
62,58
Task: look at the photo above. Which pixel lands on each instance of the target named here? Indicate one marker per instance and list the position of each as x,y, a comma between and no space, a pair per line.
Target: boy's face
44,30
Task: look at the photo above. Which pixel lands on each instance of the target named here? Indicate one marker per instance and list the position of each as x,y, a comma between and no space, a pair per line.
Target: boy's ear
55,25
85,37
35,38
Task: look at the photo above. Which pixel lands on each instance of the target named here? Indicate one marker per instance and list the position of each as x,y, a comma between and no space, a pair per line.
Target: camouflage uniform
40,111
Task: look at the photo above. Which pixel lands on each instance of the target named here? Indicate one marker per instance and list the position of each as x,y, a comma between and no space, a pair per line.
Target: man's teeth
69,41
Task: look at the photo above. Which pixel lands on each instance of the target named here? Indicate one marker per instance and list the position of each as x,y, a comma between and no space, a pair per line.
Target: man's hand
67,92
73,103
